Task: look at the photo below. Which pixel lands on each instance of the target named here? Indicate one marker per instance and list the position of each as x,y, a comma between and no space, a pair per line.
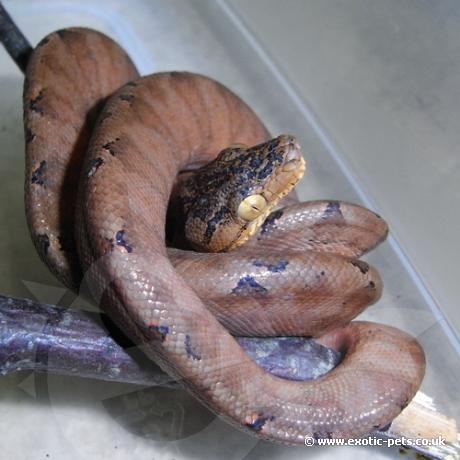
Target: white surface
382,78
76,418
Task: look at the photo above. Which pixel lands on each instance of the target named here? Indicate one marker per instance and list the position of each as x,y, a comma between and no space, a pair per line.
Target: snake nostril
38,174
293,153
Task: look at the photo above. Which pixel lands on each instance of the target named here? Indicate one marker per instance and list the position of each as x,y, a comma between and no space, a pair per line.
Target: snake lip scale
103,151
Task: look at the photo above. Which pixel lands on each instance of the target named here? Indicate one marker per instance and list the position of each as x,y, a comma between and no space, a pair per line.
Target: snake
108,151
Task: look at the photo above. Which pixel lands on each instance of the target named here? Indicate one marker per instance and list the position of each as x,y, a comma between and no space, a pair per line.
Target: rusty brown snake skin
99,173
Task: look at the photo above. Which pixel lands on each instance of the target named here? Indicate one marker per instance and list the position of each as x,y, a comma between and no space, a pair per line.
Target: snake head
231,197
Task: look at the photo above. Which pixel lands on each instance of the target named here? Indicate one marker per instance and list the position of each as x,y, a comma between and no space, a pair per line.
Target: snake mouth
288,174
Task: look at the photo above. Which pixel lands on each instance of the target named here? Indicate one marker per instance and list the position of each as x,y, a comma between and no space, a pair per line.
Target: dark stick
47,338
15,43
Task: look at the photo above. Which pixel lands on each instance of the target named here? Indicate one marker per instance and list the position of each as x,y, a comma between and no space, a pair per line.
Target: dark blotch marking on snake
332,210
34,103
43,241
110,146
364,268
259,422
404,405
105,115
65,32
62,33
273,143
131,83
384,428
29,136
43,41
120,240
191,353
37,175
94,166
273,159
248,284
212,223
320,274
255,162
278,267
270,221
162,331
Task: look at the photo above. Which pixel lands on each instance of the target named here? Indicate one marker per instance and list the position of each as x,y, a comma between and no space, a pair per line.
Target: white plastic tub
72,418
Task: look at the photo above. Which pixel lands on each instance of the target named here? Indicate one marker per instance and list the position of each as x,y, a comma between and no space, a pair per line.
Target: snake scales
101,163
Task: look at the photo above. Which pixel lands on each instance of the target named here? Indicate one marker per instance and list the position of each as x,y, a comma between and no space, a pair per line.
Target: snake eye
252,207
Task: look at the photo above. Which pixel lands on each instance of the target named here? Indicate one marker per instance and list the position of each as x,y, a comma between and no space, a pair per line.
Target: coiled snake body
299,275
